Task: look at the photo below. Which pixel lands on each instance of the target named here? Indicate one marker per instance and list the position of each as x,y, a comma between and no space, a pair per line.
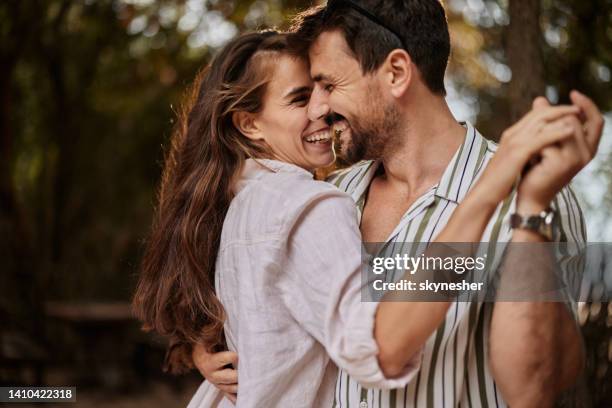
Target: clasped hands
546,148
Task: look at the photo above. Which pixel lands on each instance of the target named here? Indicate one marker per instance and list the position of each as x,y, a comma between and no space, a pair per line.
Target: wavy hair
175,295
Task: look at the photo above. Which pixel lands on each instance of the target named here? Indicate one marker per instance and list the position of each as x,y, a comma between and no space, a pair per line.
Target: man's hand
560,162
219,369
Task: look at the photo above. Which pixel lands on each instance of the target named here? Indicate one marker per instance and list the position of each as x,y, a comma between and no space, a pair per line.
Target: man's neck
429,137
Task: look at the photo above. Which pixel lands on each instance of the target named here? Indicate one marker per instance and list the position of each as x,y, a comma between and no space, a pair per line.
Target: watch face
533,223
541,223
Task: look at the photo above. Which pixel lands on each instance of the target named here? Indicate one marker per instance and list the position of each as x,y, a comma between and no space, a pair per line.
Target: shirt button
363,404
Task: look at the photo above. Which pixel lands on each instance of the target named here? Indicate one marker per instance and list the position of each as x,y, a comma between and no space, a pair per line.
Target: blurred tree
507,51
524,54
86,100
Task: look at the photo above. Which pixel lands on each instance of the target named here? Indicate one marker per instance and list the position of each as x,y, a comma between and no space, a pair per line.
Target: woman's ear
399,72
246,124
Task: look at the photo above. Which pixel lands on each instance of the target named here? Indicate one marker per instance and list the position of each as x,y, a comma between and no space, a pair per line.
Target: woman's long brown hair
175,295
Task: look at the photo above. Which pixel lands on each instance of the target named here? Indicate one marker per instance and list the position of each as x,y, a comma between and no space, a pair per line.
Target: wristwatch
541,223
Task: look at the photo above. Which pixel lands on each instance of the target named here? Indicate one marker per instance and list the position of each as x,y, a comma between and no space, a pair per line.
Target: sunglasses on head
333,5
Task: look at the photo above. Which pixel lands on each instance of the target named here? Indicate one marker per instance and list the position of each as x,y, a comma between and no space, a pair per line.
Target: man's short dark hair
420,24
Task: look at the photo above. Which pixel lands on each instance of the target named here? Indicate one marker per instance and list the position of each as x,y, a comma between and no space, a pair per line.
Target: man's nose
318,106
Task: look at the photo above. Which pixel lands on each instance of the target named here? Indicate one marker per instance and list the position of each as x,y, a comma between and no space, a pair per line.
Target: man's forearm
535,346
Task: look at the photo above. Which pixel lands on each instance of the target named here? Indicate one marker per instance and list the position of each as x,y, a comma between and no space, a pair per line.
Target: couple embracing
249,253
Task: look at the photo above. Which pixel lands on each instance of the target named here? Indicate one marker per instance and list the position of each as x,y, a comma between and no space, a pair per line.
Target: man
379,70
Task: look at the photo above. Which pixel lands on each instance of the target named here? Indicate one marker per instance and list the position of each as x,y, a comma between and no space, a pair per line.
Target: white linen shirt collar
254,169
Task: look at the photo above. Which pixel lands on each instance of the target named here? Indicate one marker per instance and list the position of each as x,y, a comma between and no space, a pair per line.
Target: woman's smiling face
283,122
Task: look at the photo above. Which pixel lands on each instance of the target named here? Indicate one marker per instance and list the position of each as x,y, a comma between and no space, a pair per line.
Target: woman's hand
219,369
522,143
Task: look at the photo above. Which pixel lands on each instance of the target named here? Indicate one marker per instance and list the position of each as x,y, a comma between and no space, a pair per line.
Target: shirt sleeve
322,288
570,233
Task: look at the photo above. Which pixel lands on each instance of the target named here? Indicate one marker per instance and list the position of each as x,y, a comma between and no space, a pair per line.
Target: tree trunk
524,53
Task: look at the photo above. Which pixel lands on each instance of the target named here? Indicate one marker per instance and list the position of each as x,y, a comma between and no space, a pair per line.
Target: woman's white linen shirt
288,275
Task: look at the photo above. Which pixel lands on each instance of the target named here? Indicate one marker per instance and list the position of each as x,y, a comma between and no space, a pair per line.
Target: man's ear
246,124
399,72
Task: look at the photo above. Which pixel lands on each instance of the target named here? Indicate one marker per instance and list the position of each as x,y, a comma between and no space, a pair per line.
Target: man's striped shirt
455,369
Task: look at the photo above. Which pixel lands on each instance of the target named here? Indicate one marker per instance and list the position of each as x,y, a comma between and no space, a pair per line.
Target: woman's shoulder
318,200
277,200
290,193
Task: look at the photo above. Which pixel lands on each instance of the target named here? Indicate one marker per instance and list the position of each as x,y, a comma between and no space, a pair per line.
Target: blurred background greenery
87,97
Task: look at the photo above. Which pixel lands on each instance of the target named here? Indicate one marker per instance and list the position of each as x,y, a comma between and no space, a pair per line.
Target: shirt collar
254,169
463,168
458,175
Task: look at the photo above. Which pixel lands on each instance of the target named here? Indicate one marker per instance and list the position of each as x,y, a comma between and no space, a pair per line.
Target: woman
246,240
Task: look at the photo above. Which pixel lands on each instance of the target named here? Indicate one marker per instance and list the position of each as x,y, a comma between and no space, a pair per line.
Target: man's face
355,100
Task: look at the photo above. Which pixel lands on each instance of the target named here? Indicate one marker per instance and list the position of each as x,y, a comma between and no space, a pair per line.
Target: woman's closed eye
301,100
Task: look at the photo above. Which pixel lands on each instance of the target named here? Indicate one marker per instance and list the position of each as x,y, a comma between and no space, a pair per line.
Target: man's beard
373,136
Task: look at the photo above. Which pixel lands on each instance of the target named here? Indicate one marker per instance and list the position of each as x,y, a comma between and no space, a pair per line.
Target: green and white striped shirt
454,369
